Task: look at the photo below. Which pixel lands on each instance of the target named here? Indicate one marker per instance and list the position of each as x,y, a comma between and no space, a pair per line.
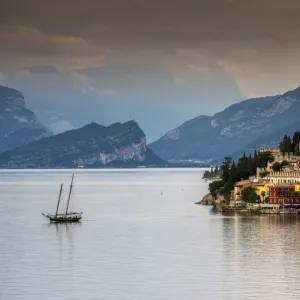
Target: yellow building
238,187
262,187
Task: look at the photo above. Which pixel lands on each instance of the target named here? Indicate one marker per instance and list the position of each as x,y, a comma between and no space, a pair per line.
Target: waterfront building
238,187
285,194
260,185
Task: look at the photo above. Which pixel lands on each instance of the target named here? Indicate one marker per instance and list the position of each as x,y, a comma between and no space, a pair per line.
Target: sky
159,62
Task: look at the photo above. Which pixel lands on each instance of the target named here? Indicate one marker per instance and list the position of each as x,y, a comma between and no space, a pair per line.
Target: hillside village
268,181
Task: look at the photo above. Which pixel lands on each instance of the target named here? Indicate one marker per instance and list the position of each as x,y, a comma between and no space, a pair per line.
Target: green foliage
249,195
277,167
225,170
207,174
289,144
284,163
263,194
267,200
217,171
215,187
296,142
264,158
264,173
212,173
286,145
232,172
297,149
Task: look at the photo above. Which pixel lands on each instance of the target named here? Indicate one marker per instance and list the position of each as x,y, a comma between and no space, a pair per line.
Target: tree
267,200
256,158
284,163
228,160
296,141
243,167
297,149
251,165
276,167
215,188
264,173
264,158
216,171
289,145
225,169
229,185
249,195
286,145
206,175
263,194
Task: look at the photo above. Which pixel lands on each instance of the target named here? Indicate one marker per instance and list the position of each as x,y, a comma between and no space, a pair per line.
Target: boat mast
61,187
70,194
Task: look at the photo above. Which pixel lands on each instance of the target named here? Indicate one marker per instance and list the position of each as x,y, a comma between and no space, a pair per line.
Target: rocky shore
208,199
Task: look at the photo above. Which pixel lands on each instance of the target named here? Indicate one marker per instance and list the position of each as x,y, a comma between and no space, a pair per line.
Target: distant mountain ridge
231,130
118,145
18,125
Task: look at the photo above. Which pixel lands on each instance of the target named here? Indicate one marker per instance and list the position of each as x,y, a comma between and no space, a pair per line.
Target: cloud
40,50
109,92
61,126
2,79
44,70
149,55
84,84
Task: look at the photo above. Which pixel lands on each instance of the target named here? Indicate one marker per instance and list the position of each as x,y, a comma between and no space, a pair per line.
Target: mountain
270,140
118,145
231,130
18,125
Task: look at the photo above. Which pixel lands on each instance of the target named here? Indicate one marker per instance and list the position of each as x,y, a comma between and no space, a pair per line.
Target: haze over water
142,237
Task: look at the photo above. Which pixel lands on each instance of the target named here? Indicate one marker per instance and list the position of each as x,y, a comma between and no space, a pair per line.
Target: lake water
141,238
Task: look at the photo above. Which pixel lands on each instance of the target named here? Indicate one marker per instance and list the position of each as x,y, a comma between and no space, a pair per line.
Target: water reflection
66,247
262,253
139,244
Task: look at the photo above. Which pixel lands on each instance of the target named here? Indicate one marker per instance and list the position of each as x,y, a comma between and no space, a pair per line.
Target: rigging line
61,187
70,194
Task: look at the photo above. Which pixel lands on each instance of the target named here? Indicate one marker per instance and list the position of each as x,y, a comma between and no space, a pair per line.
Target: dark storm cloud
163,20
222,29
132,54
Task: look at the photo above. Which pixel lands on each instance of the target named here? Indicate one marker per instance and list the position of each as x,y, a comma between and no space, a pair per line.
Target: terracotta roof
243,182
282,185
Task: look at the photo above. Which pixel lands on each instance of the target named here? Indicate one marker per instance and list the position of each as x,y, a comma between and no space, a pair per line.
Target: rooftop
242,182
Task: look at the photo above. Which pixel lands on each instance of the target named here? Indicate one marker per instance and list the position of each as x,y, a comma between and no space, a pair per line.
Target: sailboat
67,216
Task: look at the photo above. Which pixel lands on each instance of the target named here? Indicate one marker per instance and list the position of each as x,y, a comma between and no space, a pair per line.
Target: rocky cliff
232,130
118,145
208,199
18,125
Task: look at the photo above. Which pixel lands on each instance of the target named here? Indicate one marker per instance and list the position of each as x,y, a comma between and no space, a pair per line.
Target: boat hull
62,218
65,220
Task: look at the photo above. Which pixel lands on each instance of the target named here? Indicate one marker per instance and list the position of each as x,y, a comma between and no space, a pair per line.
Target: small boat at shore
67,216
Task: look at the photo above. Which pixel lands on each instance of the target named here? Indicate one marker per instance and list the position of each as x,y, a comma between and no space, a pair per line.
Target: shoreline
220,206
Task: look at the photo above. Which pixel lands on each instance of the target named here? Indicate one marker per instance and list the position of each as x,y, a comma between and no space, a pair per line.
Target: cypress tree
297,149
289,145
296,139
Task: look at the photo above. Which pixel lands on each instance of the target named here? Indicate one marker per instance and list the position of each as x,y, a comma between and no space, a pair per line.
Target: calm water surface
142,237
